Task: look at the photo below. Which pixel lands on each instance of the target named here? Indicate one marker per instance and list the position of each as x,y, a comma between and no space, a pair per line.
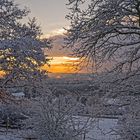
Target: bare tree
107,32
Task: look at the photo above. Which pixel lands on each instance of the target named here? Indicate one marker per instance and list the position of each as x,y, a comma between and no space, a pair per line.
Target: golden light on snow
2,73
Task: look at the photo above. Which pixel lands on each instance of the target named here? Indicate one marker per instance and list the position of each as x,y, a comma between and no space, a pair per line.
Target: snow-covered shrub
12,115
129,122
54,118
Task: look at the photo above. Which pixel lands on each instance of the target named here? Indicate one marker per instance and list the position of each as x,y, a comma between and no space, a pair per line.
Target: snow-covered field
10,134
102,129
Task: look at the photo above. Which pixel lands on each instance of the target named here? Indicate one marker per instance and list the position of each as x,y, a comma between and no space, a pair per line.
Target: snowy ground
101,130
10,134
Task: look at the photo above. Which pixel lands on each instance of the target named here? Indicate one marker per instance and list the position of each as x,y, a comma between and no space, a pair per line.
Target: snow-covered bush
12,115
54,118
129,122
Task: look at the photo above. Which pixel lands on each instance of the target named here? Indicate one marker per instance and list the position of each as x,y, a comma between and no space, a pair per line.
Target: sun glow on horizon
62,64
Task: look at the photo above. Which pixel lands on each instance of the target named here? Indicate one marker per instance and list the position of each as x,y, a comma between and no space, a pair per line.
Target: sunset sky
49,13
51,17
63,65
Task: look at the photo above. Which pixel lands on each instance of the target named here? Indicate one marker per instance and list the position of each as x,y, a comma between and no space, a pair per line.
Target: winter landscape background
70,70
